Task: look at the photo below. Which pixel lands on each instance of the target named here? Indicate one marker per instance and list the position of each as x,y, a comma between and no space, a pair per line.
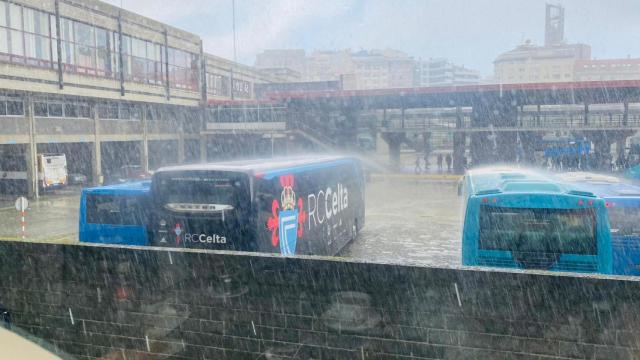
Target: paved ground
410,218
52,218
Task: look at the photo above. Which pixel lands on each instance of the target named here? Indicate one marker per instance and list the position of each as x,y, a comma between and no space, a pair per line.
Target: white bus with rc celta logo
302,205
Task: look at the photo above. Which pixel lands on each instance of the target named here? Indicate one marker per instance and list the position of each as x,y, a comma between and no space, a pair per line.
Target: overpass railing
524,121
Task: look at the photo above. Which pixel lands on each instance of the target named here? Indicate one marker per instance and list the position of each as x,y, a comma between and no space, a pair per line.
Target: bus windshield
200,192
538,230
624,221
115,210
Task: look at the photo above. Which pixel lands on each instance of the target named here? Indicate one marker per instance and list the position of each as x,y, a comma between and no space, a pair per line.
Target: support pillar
385,122
482,143
394,141
349,131
506,142
394,155
31,153
602,150
96,154
427,147
586,113
625,115
620,146
459,140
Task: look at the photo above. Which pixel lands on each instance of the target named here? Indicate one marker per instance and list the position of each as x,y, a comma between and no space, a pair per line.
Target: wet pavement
52,218
409,219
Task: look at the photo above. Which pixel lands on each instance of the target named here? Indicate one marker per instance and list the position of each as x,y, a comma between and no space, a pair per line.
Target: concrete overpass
603,111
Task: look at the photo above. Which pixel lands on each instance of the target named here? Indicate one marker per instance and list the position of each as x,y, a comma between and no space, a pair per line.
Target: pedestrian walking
439,162
448,160
418,168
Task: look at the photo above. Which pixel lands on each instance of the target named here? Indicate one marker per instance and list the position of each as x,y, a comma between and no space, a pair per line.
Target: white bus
51,170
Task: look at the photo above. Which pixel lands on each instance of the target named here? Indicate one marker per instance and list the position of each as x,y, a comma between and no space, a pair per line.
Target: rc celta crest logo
287,222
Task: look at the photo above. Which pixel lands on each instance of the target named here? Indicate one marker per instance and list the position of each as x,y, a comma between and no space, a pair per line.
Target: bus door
624,220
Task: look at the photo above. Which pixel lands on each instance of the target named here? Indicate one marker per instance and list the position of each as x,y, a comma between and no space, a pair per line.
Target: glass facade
25,35
87,49
28,36
143,61
183,70
218,85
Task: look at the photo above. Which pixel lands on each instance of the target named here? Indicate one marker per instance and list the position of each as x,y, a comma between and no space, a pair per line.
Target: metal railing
524,121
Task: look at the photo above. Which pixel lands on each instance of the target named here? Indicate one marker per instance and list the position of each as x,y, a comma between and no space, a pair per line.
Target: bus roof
493,180
267,168
605,186
129,188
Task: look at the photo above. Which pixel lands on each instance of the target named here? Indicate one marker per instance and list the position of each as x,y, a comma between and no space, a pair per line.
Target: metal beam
59,45
167,85
120,55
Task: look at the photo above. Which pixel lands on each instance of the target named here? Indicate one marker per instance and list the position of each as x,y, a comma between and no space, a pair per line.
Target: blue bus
623,205
115,214
302,205
559,147
633,173
517,218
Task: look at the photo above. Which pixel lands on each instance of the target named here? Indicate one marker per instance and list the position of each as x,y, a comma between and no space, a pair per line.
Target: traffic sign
22,203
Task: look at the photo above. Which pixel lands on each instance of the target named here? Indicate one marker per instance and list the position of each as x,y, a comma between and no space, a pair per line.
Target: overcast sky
469,32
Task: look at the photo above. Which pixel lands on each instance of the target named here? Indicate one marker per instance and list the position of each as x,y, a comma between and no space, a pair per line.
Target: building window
108,112
57,109
25,35
70,111
143,61
183,70
86,49
11,107
37,39
218,85
40,109
119,112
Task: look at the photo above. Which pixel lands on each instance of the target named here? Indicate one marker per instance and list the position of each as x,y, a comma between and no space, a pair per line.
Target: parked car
126,174
77,179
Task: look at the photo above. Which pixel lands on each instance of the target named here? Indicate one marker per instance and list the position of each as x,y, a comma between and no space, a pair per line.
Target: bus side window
131,212
265,194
